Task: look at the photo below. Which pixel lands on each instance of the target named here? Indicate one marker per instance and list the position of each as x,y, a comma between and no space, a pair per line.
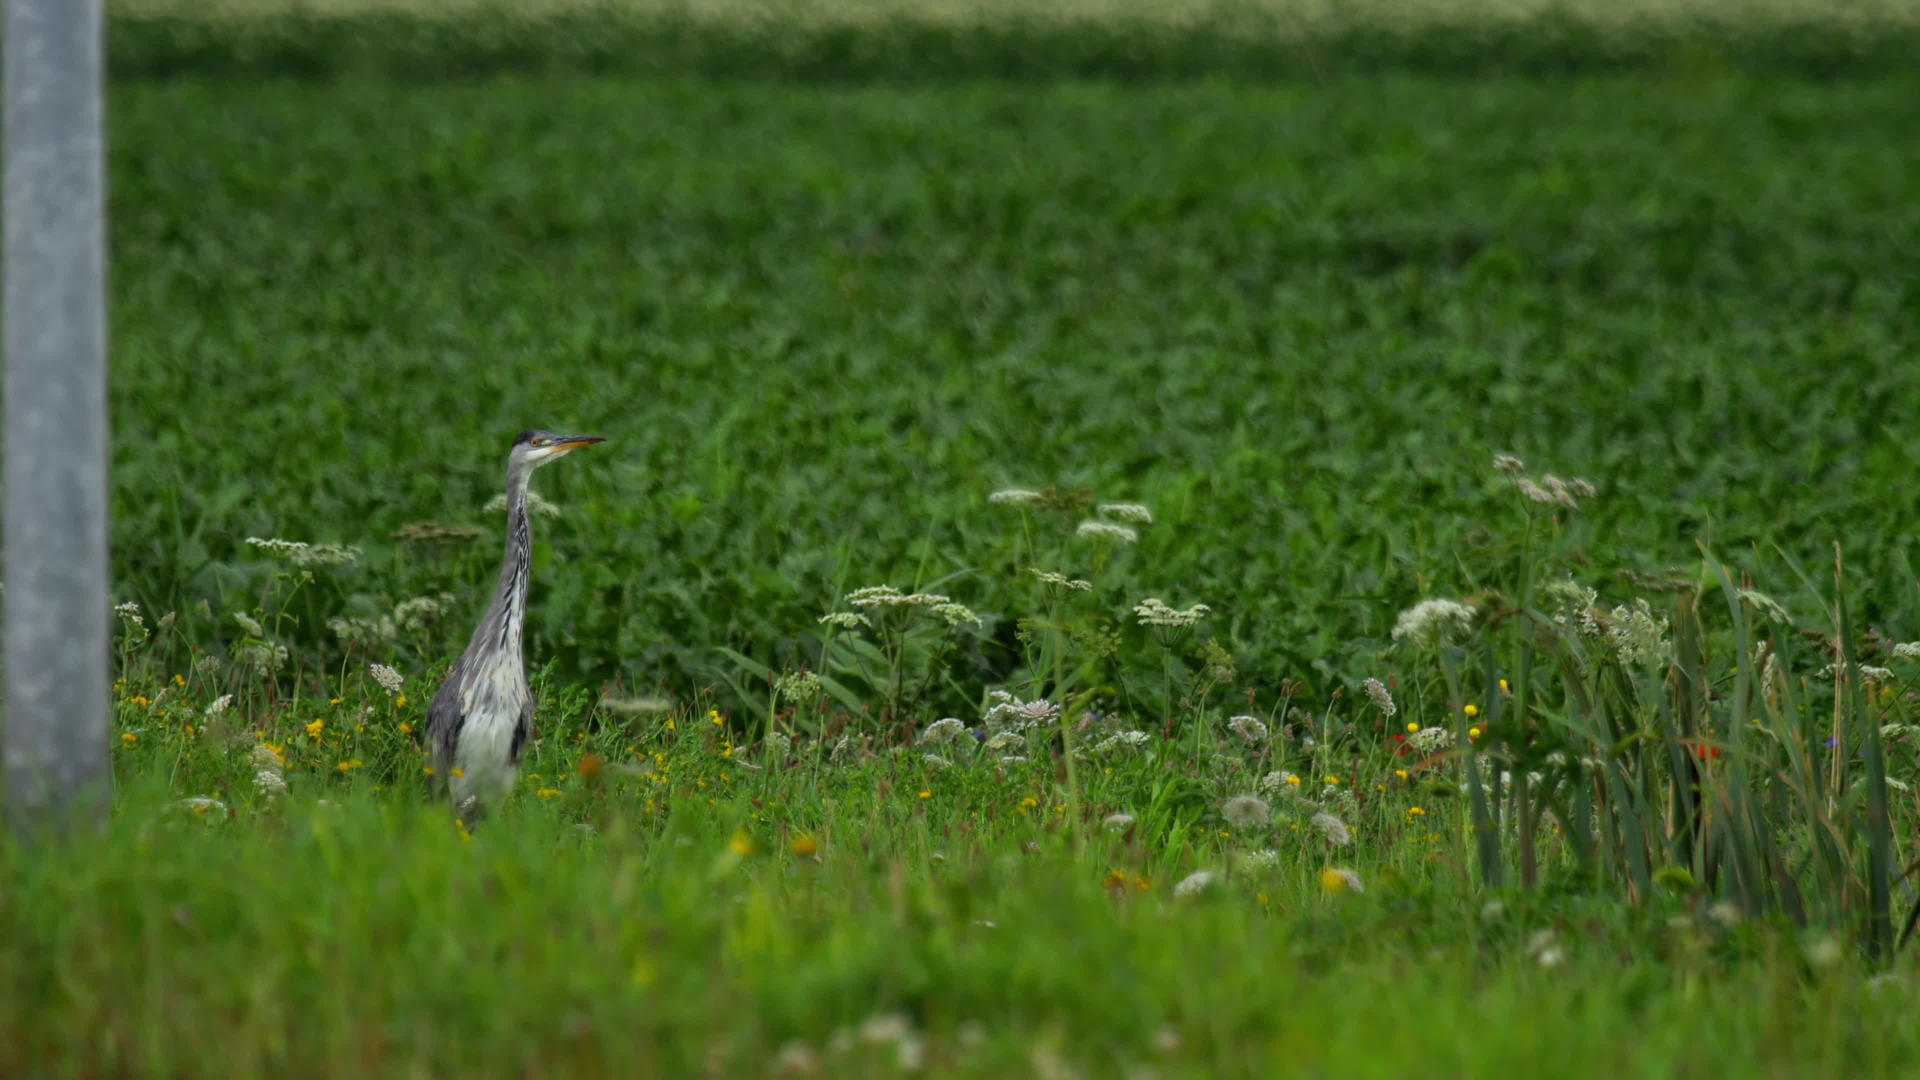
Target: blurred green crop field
1286,277
820,325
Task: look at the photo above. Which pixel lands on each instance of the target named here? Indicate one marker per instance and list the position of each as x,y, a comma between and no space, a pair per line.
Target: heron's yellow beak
565,443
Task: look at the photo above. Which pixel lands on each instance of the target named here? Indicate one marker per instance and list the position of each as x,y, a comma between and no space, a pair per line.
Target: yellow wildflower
179,679
350,764
400,702
547,792
1292,779
1503,687
1029,801
1471,710
1333,780
1400,773
1473,733
314,729
428,769
406,728
1414,811
741,844
1412,726
129,738
803,844
458,771
714,715
925,794
333,701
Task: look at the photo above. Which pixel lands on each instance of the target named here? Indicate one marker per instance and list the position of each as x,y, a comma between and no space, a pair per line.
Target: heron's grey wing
444,720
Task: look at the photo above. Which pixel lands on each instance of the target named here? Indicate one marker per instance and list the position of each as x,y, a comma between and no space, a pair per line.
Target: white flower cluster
945,730
303,554
1637,634
390,680
1107,531
1133,512
1433,622
1279,782
1060,581
1196,883
1907,650
1154,611
1121,740
129,613
1333,829
1249,728
1868,673
845,620
1009,713
1548,489
870,596
1430,740
421,610
268,777
1014,497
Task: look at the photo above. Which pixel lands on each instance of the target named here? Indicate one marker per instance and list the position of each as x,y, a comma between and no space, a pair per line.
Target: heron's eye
541,442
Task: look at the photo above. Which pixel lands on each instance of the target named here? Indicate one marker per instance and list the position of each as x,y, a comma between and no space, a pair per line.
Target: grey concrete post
57,610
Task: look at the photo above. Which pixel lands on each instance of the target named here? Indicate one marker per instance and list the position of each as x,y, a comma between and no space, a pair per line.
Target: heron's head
537,447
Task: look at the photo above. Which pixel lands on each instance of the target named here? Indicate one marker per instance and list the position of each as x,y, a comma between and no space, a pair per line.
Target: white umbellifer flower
1245,812
1196,883
1117,822
841,750
871,595
421,610
1121,740
389,679
955,614
536,504
1433,622
1907,650
1430,740
1255,861
129,613
1014,759
1868,673
326,555
943,730
277,548
1009,713
926,599
845,620
1249,728
1377,693
1637,634
1006,740
1133,512
1508,464
1544,945
200,804
1014,497
1333,829
936,761
363,631
779,747
634,706
1106,530
1154,611
1060,581
217,706
269,782
249,624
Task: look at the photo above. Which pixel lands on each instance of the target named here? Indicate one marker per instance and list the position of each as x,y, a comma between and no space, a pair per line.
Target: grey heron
478,721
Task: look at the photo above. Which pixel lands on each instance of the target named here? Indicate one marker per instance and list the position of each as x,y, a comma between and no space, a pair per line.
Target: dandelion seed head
1335,879
1333,829
1196,883
1246,812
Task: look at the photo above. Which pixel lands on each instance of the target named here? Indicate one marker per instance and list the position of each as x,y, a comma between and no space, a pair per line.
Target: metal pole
56,643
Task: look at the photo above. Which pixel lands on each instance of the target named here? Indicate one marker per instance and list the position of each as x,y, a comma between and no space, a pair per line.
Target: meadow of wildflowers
1368,574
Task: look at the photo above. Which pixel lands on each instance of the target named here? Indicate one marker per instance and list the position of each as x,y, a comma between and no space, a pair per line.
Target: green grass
822,300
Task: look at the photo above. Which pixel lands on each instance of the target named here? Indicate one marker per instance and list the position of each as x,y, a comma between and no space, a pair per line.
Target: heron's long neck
504,616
